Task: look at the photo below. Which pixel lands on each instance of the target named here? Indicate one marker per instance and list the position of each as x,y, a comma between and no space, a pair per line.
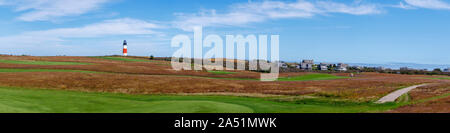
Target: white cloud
431,4
44,10
241,14
210,18
402,6
332,7
125,26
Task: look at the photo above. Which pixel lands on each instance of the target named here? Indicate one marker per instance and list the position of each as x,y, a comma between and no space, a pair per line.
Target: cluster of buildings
309,65
406,69
412,69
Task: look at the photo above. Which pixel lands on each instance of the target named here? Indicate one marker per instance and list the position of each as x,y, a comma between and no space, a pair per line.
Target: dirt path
394,95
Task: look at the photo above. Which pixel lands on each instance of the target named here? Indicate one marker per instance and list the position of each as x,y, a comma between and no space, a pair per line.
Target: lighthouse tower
125,51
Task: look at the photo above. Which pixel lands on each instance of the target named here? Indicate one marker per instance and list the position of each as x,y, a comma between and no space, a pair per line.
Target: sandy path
394,95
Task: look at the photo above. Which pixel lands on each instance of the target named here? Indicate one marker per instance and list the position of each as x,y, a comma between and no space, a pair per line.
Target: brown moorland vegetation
434,98
441,105
156,77
430,91
153,67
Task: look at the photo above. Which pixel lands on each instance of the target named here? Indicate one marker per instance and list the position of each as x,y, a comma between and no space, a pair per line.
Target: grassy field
20,100
221,72
31,62
404,98
44,70
432,98
442,78
122,59
135,84
308,77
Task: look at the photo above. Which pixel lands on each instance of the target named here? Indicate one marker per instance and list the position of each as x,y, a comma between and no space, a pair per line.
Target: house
380,68
282,65
323,66
357,67
447,70
307,64
298,66
406,69
341,67
291,65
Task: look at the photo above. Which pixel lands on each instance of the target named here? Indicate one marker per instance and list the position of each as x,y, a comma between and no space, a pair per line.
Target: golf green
23,100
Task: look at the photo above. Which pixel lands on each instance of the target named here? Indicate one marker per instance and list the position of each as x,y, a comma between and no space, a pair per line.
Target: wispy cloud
125,26
244,13
430,4
402,5
356,9
44,10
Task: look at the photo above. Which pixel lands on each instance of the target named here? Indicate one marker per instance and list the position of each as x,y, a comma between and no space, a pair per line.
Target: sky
350,31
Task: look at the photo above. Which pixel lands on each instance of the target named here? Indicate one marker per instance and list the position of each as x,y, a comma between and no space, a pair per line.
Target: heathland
137,84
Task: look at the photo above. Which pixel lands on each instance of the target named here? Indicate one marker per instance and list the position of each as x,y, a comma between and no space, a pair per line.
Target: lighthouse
125,52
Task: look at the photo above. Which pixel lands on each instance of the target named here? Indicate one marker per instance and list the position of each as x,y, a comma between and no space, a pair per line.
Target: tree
437,70
151,57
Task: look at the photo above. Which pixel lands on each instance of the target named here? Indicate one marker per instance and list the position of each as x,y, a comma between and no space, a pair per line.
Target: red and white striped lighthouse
125,51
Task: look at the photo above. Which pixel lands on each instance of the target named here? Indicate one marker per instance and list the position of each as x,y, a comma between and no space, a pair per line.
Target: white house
307,64
341,67
323,66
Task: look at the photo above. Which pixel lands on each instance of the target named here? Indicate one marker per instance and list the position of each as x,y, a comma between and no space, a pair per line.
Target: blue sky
352,31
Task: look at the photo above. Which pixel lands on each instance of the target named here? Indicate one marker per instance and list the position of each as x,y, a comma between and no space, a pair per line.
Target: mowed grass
31,62
442,78
221,72
44,70
21,100
308,77
123,59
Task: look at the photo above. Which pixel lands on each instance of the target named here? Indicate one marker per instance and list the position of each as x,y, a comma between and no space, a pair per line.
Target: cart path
394,95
